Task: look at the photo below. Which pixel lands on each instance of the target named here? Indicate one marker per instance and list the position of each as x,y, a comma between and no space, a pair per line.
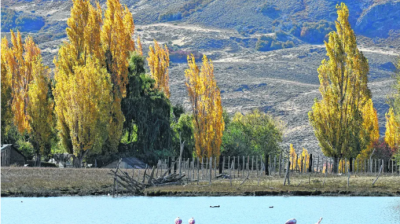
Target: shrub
180,56
26,148
315,32
184,11
270,10
269,43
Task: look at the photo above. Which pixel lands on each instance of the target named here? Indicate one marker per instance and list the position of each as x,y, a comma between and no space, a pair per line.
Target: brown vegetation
16,181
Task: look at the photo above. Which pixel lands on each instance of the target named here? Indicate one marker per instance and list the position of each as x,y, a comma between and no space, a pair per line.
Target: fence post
280,160
244,162
234,166
215,166
257,165
229,162
252,164
221,163
238,166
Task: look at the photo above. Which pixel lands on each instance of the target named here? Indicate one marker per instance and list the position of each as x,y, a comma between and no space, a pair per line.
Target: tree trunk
220,164
81,155
351,165
266,164
38,160
310,164
169,165
182,144
335,165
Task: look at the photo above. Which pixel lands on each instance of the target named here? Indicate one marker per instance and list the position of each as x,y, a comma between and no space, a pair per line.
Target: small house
11,155
127,163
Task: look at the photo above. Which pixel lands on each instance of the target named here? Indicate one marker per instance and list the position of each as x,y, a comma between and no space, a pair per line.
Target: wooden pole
198,171
257,165
244,162
380,170
234,166
215,166
280,157
252,163
287,174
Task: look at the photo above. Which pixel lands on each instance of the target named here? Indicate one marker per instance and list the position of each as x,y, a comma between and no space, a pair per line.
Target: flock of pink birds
192,221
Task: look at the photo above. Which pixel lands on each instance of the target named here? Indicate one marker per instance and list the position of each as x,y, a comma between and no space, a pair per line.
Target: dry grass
55,182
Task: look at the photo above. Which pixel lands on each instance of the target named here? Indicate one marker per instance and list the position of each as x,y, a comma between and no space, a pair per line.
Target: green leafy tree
147,113
255,133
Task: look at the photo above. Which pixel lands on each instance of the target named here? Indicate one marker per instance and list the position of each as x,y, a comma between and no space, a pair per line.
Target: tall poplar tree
337,118
26,85
106,43
205,99
158,63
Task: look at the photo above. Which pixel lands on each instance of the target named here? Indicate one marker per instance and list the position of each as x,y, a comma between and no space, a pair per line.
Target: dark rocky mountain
266,53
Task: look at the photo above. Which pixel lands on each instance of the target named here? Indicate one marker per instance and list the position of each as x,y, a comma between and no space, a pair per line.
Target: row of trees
101,101
344,120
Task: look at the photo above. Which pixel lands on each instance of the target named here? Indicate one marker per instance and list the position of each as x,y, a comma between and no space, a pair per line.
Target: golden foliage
304,156
336,118
370,122
158,62
6,81
392,129
106,41
25,86
292,157
206,106
139,46
89,100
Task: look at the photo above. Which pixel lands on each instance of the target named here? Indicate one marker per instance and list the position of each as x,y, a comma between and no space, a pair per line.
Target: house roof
131,162
3,147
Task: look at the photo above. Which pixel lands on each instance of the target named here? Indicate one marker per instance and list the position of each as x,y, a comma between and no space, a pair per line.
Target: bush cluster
184,11
269,43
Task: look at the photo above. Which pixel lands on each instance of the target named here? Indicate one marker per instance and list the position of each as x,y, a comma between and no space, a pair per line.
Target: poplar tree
158,63
392,137
25,88
337,118
293,156
205,99
105,43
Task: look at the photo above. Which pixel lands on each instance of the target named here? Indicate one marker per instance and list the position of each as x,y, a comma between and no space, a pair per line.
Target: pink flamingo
178,221
291,221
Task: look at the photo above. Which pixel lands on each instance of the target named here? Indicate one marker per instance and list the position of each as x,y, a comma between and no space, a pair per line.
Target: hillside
265,53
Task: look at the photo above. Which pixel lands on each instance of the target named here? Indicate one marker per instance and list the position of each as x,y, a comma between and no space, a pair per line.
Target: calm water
243,210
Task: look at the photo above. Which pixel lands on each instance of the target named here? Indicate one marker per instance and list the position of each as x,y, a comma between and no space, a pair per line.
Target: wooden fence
198,169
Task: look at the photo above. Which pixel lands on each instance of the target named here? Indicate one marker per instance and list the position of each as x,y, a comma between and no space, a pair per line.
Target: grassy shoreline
52,182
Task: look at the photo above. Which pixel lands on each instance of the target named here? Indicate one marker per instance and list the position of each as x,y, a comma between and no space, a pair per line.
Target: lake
243,210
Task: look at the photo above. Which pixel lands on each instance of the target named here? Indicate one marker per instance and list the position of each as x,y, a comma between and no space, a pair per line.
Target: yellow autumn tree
158,63
304,156
392,137
6,118
292,157
107,41
139,46
337,118
89,100
205,99
26,86
370,122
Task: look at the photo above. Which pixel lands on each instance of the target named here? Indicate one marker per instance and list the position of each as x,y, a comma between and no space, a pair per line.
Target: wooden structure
11,156
127,163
